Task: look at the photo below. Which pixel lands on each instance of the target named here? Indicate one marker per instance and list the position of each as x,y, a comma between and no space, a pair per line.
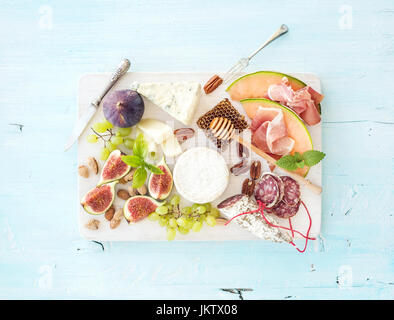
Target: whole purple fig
123,108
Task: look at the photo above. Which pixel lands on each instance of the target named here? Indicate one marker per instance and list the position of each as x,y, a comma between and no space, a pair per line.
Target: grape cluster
174,218
112,137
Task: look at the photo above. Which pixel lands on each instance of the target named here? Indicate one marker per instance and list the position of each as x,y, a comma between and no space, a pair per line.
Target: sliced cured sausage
230,201
283,210
292,194
268,190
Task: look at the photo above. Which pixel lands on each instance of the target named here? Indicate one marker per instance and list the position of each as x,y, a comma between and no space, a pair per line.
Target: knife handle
119,72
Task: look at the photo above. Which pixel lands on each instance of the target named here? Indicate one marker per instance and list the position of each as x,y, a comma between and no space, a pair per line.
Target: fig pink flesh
99,198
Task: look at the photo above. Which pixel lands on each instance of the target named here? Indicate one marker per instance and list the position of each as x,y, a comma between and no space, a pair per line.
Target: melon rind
89,210
294,82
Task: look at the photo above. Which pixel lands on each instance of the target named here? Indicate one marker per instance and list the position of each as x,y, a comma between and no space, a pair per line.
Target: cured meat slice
304,101
230,201
283,210
269,132
268,190
292,194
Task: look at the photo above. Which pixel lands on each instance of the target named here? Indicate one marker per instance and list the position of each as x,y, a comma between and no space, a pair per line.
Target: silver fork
244,62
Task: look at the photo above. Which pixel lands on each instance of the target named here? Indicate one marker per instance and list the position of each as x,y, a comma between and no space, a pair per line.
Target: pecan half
239,168
255,169
248,187
183,134
242,151
212,84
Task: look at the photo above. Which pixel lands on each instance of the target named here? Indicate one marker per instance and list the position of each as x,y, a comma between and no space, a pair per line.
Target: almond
221,221
109,214
142,190
123,194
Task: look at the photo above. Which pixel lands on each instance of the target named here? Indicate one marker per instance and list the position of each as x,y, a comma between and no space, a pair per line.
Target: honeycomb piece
226,110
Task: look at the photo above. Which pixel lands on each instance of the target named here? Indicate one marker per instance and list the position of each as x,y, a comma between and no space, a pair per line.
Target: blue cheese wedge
178,99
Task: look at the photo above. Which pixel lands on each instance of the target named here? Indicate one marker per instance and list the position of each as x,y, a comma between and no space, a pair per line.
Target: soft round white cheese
201,175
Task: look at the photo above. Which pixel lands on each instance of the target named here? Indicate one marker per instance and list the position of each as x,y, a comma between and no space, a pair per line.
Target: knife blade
84,120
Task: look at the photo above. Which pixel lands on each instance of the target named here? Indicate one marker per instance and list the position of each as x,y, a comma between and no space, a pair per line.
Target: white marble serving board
90,85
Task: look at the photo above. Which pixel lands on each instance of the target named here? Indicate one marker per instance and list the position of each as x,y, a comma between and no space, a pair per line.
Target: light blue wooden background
46,45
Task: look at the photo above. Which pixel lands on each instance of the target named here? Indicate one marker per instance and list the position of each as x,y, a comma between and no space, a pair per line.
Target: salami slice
283,210
230,201
292,194
268,190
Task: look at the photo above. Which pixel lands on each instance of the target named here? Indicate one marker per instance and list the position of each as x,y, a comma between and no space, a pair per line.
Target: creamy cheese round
201,175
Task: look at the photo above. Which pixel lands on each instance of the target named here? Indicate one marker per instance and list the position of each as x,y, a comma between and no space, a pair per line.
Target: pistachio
123,194
92,163
93,224
83,171
142,190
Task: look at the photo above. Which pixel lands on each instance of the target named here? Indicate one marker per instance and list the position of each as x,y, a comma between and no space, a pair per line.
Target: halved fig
99,200
160,185
114,168
139,207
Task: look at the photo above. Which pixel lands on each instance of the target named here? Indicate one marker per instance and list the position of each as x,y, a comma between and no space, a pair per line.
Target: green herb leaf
287,162
140,148
153,169
300,164
133,161
298,156
139,177
313,157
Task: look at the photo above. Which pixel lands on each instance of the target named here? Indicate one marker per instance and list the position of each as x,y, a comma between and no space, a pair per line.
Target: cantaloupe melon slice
255,85
295,127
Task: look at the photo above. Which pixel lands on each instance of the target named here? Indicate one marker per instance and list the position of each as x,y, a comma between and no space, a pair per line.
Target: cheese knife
84,120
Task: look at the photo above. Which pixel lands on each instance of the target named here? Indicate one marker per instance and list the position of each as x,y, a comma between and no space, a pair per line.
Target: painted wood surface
47,45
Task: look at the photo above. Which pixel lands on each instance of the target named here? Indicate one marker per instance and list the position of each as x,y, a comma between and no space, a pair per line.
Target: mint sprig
137,160
298,160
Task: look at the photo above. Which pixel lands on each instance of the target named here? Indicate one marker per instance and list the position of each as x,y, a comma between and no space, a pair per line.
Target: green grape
181,221
208,206
162,210
110,146
201,209
203,217
186,210
163,221
183,230
91,138
172,223
171,233
189,224
195,206
211,221
108,124
123,132
153,216
197,226
104,154
117,140
175,200
129,143
215,212
99,127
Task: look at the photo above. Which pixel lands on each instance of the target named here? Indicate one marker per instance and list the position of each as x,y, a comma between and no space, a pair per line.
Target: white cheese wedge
171,147
178,99
201,175
156,130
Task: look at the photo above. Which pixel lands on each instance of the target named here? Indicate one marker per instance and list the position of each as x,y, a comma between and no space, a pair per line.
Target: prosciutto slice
304,101
269,132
